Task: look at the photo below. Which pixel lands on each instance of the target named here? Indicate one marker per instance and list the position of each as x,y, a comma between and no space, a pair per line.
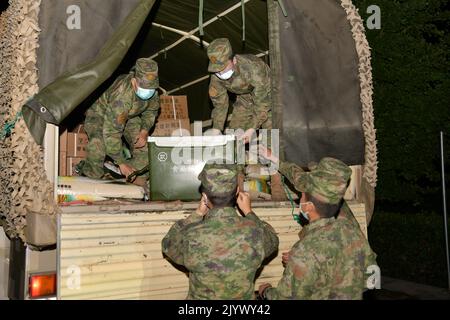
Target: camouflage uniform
331,257
250,82
119,112
223,250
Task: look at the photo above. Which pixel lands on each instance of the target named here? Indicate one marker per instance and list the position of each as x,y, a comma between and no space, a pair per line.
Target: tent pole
220,15
200,18
243,20
282,7
445,209
180,32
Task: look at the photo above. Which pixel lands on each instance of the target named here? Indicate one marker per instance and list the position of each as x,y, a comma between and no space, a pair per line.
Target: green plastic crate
176,162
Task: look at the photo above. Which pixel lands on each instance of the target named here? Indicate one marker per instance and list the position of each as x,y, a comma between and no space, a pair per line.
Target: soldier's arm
260,80
172,244
300,276
219,98
148,117
292,172
116,116
270,237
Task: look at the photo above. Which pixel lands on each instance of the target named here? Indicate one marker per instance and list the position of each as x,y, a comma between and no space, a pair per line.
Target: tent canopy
312,56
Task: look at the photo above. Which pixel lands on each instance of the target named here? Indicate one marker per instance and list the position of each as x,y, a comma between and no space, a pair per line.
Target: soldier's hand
141,139
263,288
248,135
266,153
202,207
244,202
285,257
126,169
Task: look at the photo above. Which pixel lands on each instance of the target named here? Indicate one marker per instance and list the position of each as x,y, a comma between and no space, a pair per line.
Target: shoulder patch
151,76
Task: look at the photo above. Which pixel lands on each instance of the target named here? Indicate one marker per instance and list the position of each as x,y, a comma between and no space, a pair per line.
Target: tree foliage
410,59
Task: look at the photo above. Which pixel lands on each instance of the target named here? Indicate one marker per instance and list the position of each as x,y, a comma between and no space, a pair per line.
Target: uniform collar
221,213
319,223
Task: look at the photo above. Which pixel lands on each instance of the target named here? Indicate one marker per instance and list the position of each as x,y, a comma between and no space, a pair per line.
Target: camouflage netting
365,74
24,186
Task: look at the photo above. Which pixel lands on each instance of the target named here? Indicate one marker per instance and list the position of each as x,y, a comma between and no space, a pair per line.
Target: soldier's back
251,65
341,256
223,256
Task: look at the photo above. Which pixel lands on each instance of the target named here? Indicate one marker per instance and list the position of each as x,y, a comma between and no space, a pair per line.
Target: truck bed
113,250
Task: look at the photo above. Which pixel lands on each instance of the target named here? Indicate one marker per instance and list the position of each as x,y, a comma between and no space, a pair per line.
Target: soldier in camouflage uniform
331,258
127,109
221,249
249,78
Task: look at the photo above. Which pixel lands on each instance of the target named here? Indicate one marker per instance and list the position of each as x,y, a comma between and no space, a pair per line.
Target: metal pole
445,209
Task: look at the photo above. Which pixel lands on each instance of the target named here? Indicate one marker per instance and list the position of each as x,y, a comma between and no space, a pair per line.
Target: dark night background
411,68
3,5
410,60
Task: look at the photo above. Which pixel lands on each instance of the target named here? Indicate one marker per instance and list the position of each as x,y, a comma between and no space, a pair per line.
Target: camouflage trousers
96,151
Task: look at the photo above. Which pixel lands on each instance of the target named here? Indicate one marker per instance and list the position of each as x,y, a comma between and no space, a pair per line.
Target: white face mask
303,213
226,75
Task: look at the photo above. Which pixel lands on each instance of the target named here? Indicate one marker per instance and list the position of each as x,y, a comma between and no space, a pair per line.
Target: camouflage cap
327,181
219,178
146,73
219,53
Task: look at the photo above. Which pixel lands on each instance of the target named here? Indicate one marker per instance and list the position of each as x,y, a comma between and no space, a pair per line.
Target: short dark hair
220,200
325,210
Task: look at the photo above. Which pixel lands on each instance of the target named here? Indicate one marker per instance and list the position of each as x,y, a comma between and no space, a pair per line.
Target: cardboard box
63,164
79,129
167,128
74,143
63,141
71,163
173,107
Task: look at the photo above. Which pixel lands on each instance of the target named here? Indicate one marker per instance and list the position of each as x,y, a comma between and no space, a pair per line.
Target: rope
296,217
9,126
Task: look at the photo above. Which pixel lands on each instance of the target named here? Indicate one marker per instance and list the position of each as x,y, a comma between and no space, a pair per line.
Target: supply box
173,119
176,162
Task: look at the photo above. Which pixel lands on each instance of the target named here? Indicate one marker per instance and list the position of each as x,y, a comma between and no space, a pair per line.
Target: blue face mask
145,94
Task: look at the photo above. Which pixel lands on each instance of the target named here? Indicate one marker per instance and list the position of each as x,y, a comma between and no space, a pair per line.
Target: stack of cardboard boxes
174,117
72,149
